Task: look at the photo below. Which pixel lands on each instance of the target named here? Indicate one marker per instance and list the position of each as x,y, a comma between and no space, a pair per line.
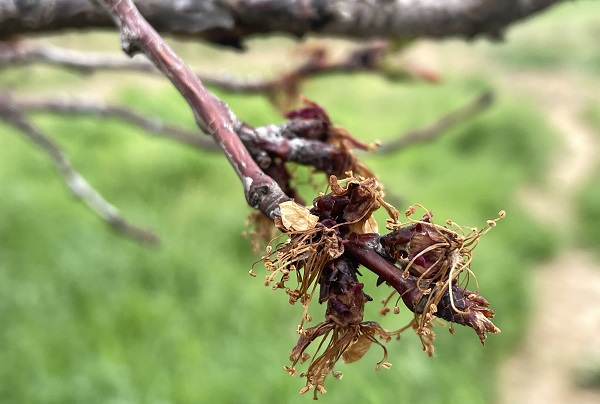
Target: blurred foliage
88,316
588,376
564,37
588,208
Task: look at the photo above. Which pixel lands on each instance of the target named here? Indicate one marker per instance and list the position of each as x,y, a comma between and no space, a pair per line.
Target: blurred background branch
78,185
229,22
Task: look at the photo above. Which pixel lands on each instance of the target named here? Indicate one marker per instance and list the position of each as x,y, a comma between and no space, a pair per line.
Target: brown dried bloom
262,230
342,140
439,259
428,265
309,246
315,237
343,333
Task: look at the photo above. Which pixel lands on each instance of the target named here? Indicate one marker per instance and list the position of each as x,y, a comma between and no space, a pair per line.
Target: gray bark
230,21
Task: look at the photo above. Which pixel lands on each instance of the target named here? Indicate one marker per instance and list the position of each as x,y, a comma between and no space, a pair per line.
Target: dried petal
358,349
296,217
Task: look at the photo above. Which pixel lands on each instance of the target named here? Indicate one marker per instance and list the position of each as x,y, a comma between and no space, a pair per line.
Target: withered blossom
345,334
428,266
439,258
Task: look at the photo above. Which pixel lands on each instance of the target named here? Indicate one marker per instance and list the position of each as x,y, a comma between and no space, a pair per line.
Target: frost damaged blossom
428,266
343,333
438,259
338,137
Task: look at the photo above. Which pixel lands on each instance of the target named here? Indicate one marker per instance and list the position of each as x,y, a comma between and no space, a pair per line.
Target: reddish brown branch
212,115
287,143
323,242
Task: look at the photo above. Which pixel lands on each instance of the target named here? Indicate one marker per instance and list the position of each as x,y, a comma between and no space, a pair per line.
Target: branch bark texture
212,115
230,21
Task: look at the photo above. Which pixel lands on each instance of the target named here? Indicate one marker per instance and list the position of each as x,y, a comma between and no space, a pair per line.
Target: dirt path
565,322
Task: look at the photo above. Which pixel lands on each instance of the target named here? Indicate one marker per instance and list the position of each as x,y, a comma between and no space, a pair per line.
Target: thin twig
18,54
437,128
283,89
75,181
285,141
153,125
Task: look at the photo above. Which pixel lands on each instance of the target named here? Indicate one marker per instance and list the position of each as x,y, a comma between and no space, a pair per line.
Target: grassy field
88,316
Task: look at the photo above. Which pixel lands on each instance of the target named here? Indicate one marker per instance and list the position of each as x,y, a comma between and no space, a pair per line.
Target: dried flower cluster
426,264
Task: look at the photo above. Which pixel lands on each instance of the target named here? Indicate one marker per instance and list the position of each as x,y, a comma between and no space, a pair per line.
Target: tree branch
78,185
230,21
212,115
88,107
262,192
283,89
298,140
437,128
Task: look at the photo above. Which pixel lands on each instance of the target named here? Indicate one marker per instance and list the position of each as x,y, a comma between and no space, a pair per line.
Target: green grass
588,209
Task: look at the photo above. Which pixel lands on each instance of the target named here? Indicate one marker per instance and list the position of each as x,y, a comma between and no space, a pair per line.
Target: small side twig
287,141
437,128
154,125
75,181
282,89
85,62
16,53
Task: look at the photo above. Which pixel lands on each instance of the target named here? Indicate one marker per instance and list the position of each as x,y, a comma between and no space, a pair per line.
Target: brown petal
296,217
357,350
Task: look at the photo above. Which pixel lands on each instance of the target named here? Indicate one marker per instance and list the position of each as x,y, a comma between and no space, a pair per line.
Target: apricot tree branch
153,125
78,185
231,21
264,193
437,128
282,89
212,115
